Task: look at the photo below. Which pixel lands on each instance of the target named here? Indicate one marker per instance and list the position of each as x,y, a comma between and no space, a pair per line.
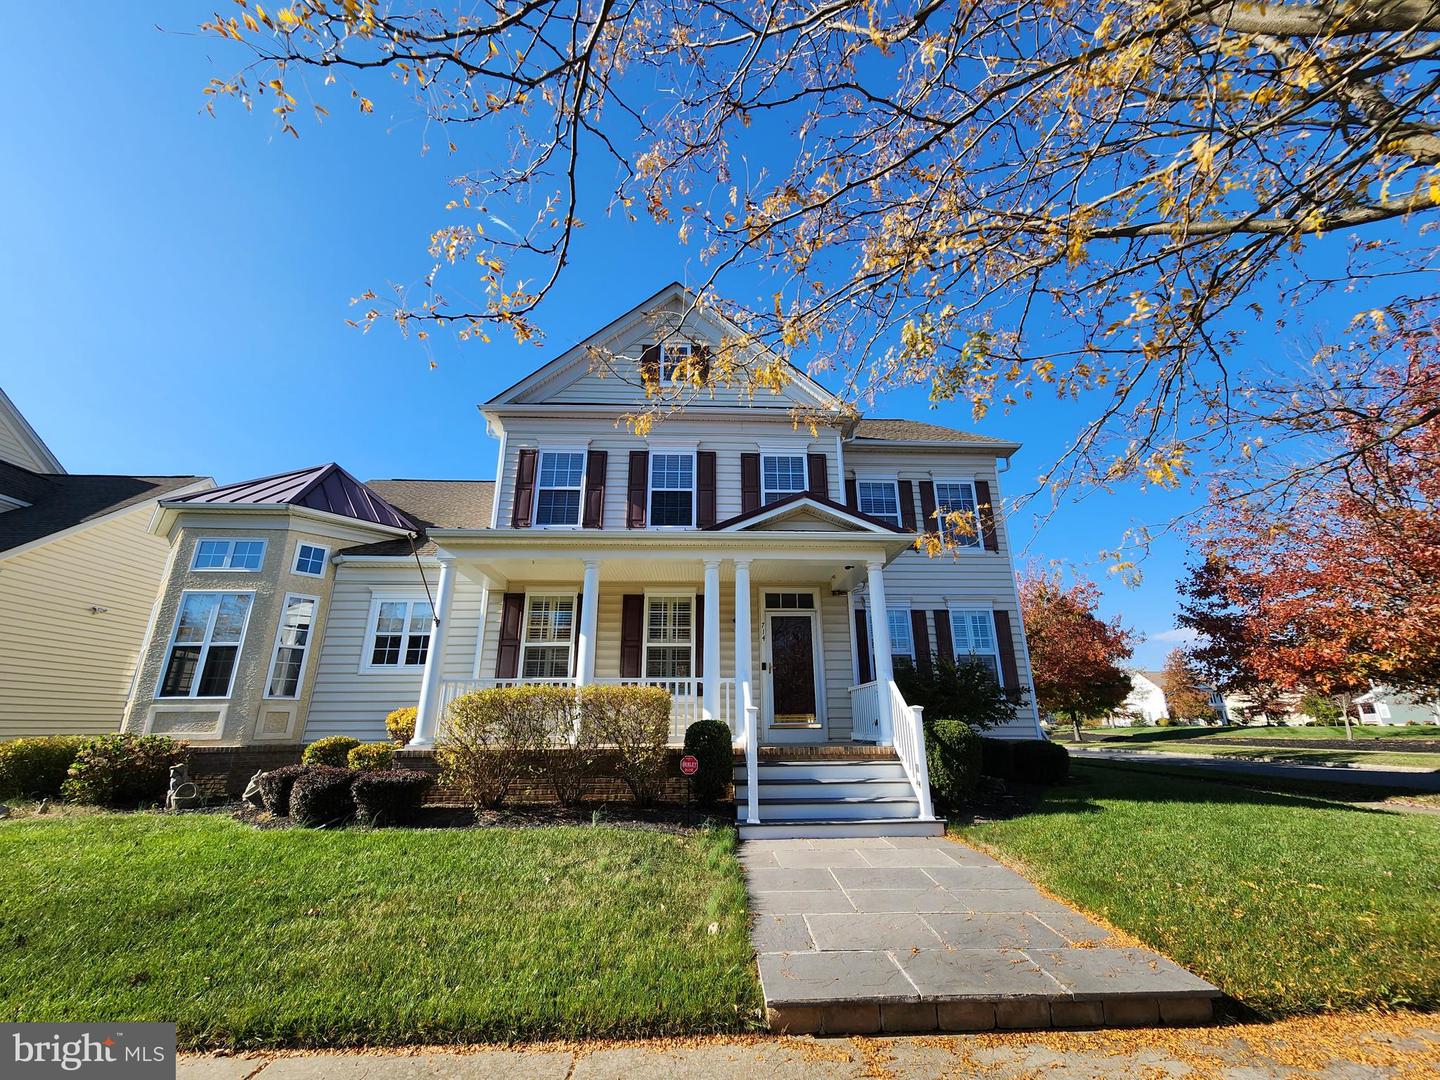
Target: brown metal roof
327,488
60,501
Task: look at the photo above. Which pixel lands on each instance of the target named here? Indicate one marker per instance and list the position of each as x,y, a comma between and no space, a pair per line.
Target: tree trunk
1075,722
1345,711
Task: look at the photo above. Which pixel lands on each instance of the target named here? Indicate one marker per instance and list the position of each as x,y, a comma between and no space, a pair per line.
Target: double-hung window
672,489
209,630
879,499
400,633
562,473
673,358
241,555
957,497
974,632
292,643
902,639
310,560
781,475
670,637
549,636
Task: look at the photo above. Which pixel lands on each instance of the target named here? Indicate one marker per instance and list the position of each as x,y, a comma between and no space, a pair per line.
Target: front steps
808,795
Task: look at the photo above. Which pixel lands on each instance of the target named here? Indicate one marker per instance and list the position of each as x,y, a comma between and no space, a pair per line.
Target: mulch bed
673,819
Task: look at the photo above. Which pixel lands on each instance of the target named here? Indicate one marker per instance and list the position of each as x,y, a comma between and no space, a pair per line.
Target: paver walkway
921,934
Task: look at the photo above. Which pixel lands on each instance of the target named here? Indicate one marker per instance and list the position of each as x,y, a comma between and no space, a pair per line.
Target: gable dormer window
879,499
557,501
672,489
673,358
781,475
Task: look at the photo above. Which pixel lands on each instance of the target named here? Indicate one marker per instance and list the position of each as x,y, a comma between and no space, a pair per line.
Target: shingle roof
918,431
60,501
432,504
327,488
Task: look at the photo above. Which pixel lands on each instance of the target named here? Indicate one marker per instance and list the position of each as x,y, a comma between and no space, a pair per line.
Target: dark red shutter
704,488
862,646
944,639
907,505
650,366
819,476
749,482
597,462
699,645
1009,670
524,490
632,629
927,508
639,484
987,516
702,363
507,657
852,497
920,631
575,633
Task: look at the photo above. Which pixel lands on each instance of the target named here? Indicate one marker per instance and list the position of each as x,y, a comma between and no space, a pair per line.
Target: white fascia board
339,526
991,449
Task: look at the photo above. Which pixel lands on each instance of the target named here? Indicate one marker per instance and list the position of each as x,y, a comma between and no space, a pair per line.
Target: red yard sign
689,765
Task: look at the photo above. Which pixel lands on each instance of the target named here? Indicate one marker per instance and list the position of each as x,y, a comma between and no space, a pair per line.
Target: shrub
952,755
371,757
491,739
570,758
1039,761
321,797
400,723
391,797
960,689
711,743
635,720
997,758
333,750
275,787
1164,721
123,770
36,768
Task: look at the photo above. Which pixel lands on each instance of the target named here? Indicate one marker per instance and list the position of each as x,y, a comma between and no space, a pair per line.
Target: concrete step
783,828
826,787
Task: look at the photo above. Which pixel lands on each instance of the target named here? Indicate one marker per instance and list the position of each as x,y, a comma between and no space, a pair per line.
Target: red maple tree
1075,655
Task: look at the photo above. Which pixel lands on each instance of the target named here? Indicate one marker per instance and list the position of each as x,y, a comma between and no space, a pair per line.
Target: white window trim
645,643
661,374
989,609
324,559
979,544
305,657
909,633
367,645
540,452
894,483
232,541
804,457
204,648
688,450
525,642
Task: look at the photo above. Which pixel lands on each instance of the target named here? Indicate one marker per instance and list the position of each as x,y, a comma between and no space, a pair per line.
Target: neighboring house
1381,705
731,556
1146,702
79,573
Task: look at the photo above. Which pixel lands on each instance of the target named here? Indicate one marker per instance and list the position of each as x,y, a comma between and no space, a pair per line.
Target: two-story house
730,555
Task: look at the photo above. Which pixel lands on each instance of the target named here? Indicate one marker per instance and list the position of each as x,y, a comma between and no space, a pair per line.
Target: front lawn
1152,733
1288,904
310,938
1296,755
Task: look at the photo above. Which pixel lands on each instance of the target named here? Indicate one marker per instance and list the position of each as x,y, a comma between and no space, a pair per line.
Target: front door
792,713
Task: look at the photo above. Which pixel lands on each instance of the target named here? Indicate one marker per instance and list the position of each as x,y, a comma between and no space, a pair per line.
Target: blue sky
174,290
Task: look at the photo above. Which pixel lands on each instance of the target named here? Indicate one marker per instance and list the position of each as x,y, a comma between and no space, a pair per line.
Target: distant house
1147,705
79,575
1381,705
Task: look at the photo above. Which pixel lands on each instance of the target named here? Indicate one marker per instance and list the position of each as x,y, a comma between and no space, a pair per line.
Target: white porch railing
686,698
865,712
907,728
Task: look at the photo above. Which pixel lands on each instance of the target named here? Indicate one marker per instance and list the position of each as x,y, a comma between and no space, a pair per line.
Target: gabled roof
578,355
431,504
40,455
799,502
326,488
62,501
888,431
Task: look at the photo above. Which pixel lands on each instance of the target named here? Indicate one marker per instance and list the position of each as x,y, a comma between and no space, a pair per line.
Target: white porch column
589,612
711,671
427,711
880,641
743,695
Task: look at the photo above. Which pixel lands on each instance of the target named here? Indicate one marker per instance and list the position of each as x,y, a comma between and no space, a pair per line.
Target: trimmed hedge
321,797
400,724
371,757
492,738
333,750
635,720
711,743
952,755
1027,761
391,797
275,787
37,768
123,770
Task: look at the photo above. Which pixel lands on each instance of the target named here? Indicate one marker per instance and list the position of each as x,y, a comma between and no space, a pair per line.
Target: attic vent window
673,358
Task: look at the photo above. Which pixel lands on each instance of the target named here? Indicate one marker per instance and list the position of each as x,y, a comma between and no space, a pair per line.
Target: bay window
292,643
239,555
209,630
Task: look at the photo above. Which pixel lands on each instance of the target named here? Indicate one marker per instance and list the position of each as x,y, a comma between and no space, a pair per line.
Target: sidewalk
1352,1047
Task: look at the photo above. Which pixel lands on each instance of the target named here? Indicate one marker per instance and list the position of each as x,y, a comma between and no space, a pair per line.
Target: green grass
1288,904
309,938
1297,755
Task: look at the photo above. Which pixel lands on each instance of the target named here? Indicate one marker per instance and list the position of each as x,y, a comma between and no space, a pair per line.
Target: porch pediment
804,512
